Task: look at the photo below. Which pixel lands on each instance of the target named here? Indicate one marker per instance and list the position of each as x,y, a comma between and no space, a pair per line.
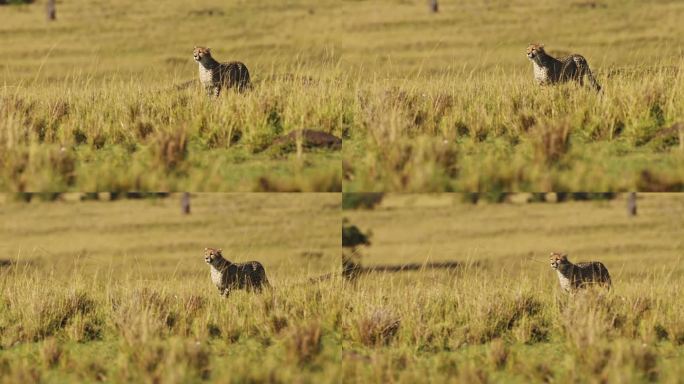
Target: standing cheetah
214,75
580,275
228,276
549,70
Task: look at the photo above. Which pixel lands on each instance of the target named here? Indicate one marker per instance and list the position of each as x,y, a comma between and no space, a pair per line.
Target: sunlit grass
119,291
502,316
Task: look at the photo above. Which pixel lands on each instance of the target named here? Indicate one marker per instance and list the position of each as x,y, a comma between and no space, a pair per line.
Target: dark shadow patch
309,138
588,4
206,12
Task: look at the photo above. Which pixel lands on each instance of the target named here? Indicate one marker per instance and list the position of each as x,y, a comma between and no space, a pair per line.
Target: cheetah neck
567,272
544,60
220,264
209,63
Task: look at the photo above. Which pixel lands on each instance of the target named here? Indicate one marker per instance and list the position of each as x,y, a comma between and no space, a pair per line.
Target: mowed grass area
450,103
119,291
89,102
502,317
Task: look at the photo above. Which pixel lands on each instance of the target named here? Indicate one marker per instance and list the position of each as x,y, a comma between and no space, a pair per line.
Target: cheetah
214,75
580,275
549,70
227,276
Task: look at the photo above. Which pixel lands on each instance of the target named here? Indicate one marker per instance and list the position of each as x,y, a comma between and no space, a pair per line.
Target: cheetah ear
219,250
206,249
564,256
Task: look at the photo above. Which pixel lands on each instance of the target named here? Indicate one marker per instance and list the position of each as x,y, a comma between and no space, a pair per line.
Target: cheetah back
249,275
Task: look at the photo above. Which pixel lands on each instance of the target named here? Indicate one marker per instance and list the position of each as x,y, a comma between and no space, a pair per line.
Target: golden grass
502,316
119,291
424,102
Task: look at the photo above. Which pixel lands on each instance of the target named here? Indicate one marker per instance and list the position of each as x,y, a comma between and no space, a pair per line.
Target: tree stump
185,203
51,10
632,204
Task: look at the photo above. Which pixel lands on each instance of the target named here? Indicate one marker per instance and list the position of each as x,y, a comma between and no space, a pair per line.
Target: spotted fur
214,75
549,70
228,276
573,276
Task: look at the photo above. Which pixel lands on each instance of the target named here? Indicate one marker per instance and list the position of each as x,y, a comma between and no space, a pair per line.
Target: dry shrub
84,328
143,129
657,182
471,373
588,317
171,360
194,303
278,323
170,148
304,343
379,328
422,163
191,359
63,163
143,315
642,358
23,372
498,353
90,371
51,353
44,318
499,315
551,141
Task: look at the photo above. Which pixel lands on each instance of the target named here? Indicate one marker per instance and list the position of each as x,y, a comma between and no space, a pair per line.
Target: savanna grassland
450,103
119,291
502,316
423,102
90,102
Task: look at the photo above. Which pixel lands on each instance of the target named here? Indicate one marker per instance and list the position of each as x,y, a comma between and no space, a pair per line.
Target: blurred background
129,38
294,236
515,233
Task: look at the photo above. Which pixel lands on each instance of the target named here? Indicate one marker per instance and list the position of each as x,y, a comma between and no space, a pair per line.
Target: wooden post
632,204
51,10
434,6
185,203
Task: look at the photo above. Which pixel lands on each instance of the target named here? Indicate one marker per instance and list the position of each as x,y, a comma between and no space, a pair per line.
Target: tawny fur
228,276
549,70
214,75
581,275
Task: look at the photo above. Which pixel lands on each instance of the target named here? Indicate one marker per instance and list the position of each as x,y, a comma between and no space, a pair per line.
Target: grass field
89,102
502,317
452,106
119,291
423,102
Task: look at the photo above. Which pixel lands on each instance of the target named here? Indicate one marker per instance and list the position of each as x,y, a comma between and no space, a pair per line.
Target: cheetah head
559,261
212,255
534,50
200,53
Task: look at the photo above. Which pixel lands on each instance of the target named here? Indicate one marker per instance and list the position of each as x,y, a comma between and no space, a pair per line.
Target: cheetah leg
593,81
584,70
